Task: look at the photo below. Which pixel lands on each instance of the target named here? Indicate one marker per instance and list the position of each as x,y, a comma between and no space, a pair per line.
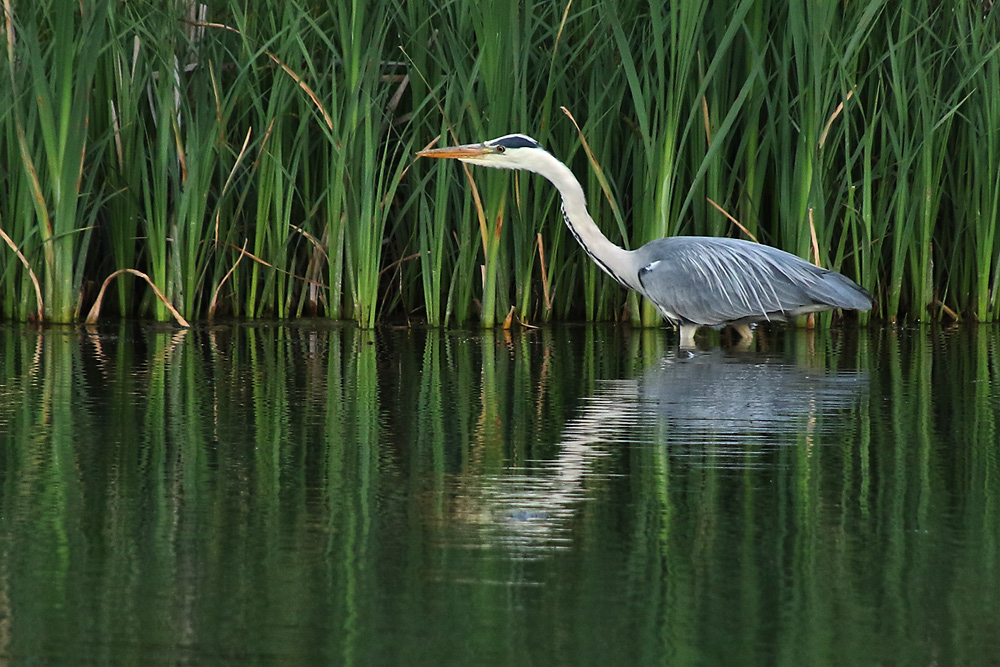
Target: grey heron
694,281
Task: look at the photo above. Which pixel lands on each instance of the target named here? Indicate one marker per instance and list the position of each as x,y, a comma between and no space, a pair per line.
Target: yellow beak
468,150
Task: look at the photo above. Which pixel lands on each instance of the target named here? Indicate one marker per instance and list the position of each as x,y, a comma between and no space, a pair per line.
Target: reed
974,180
50,72
256,161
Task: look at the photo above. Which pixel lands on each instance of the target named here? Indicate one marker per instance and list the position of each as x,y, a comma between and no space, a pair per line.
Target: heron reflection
714,409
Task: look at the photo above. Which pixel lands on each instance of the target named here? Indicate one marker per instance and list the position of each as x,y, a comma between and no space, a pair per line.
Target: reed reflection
332,495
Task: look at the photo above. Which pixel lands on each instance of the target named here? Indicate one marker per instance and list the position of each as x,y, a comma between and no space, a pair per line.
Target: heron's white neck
614,260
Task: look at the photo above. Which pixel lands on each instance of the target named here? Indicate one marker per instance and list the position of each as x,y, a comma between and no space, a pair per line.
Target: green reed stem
257,160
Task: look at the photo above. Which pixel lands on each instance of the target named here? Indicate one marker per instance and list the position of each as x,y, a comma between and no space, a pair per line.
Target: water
314,494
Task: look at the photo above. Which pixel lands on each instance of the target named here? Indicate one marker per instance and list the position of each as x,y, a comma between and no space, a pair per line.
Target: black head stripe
514,141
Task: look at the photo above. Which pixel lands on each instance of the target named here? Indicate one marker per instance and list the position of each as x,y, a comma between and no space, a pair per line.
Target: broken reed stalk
31,274
95,311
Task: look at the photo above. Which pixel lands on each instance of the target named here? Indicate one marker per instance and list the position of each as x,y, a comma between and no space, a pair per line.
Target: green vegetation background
257,159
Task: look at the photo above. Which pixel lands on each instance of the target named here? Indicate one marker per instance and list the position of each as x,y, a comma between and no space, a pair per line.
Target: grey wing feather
712,281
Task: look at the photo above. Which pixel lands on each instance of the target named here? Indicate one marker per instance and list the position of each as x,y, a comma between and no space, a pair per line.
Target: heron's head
511,151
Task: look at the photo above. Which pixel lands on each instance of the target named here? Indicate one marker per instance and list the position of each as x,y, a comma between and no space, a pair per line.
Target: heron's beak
459,152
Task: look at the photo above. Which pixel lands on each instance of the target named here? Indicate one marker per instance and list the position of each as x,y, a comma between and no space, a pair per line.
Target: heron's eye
501,149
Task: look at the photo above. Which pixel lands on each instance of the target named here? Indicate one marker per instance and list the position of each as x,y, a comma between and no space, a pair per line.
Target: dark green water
309,494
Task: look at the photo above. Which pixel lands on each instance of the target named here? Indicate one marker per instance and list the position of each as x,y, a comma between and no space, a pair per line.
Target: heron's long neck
614,260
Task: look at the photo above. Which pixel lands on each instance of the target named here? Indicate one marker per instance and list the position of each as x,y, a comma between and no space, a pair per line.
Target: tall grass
256,160
50,70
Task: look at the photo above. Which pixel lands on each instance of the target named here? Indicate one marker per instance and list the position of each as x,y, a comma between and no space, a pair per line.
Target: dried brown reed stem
733,220
31,274
95,311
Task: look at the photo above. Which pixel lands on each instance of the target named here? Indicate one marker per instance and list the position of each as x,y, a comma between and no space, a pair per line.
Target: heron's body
693,281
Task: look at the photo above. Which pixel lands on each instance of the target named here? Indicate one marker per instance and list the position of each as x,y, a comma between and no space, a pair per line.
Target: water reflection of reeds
329,494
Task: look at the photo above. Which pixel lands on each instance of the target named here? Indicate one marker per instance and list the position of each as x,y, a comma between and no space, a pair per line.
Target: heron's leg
744,331
687,336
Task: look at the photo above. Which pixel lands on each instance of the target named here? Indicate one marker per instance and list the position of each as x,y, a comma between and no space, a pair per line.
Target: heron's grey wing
711,281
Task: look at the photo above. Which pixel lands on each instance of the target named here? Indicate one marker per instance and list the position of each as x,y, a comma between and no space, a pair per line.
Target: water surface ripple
311,493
